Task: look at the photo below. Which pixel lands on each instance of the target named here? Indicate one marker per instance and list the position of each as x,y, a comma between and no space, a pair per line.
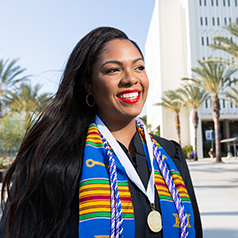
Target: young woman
88,168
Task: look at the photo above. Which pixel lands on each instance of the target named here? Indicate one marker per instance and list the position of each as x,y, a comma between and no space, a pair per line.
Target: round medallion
154,221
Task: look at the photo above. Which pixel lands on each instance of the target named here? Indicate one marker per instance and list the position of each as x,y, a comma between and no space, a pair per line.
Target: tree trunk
177,125
216,116
195,124
0,109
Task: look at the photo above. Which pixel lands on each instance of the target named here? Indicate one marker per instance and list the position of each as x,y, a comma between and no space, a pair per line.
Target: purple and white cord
174,193
116,209
171,186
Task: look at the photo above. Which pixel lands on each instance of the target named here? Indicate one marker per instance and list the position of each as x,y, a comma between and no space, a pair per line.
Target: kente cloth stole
95,192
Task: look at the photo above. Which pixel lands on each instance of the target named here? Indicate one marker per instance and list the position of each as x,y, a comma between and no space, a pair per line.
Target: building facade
179,35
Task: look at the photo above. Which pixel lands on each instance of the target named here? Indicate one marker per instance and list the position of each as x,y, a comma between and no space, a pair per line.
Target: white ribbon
126,163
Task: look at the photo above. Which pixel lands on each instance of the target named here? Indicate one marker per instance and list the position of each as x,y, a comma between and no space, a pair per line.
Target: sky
42,33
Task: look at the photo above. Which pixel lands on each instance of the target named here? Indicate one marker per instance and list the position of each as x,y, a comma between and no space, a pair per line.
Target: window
231,105
229,19
206,21
213,21
224,103
228,2
224,3
218,21
217,2
205,2
207,41
237,20
236,3
201,21
202,41
203,58
200,2
225,20
212,2
206,104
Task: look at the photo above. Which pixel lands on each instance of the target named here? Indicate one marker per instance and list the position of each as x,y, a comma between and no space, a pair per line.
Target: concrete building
179,35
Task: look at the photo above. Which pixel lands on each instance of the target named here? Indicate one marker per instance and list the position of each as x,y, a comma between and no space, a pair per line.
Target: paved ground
216,187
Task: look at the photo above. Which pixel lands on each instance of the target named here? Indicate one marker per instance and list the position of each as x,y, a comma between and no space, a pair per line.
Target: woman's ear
87,85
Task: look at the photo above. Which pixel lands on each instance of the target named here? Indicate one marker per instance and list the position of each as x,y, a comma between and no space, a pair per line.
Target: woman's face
119,81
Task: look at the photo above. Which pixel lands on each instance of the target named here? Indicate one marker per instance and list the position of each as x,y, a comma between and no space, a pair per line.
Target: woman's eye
111,70
141,68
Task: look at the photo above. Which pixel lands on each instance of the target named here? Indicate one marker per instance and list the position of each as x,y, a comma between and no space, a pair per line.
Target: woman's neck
124,133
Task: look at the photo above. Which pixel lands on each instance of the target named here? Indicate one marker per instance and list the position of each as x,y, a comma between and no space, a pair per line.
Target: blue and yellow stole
95,192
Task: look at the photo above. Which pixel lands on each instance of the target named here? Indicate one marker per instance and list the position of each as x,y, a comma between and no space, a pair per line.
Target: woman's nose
129,78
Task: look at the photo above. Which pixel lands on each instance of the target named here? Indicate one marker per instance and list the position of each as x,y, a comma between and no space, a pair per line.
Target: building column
226,130
226,133
199,139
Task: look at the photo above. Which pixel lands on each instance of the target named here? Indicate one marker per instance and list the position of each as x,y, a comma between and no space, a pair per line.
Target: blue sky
42,33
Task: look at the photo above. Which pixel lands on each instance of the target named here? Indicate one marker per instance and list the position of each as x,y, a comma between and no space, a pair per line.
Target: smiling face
119,81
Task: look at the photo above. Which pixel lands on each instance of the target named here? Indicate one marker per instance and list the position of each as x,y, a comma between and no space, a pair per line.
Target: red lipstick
130,96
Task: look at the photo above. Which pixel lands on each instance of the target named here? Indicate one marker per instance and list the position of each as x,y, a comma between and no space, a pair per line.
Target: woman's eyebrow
134,61
112,62
119,62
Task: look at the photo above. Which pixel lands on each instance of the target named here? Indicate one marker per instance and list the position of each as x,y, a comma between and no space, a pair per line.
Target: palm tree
192,97
144,119
225,43
231,95
170,101
213,75
10,74
27,100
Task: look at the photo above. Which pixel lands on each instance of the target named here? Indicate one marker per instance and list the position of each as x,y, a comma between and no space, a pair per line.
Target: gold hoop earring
87,100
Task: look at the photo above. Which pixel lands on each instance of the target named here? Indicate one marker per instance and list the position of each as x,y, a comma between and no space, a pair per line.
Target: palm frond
192,95
10,73
213,75
231,94
227,44
26,98
170,100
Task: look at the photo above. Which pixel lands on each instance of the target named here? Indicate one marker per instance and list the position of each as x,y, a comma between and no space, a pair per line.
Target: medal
154,221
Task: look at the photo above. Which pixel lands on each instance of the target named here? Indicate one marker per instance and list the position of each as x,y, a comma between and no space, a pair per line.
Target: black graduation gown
140,202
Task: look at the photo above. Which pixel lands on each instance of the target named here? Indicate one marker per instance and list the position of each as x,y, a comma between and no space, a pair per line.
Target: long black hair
43,180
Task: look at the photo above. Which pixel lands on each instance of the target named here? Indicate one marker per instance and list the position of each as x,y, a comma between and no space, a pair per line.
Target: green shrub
187,149
5,162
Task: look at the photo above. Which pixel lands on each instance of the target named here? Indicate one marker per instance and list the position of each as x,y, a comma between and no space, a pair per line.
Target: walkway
216,188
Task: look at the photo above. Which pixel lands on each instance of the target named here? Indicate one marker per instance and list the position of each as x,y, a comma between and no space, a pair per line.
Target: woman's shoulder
170,146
